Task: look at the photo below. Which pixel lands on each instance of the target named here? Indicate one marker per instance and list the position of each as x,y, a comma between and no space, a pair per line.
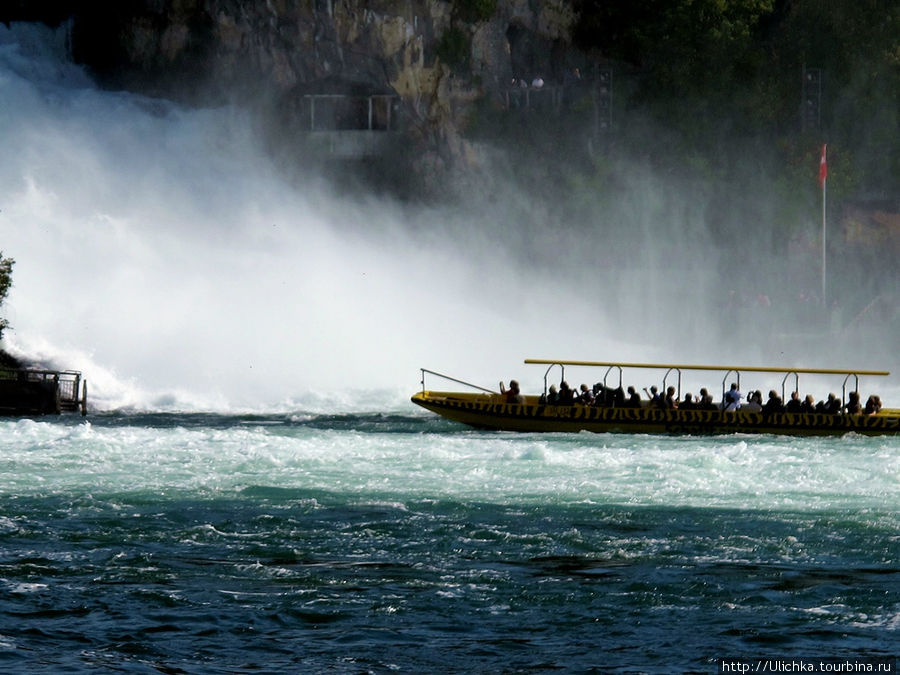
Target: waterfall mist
160,251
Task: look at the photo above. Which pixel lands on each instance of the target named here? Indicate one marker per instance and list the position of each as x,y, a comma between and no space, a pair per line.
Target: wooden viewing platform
28,391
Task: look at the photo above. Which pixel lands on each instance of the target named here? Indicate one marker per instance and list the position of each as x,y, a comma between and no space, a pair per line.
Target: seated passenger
586,396
774,404
706,400
754,402
656,401
873,405
618,397
808,405
733,397
634,398
566,394
513,395
601,395
832,405
687,403
795,404
671,401
853,406
552,396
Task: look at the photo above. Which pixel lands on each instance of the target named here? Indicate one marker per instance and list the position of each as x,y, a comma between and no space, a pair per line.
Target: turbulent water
395,541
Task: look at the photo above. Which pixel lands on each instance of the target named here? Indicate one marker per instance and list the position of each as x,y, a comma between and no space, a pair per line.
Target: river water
391,540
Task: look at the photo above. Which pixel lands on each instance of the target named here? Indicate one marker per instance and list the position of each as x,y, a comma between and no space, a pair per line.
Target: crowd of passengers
599,395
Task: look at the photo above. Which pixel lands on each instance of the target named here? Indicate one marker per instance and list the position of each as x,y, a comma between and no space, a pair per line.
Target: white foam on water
717,472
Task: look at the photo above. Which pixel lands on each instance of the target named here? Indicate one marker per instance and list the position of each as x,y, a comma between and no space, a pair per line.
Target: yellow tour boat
612,411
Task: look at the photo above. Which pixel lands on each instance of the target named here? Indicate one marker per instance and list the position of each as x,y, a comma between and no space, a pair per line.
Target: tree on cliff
6,265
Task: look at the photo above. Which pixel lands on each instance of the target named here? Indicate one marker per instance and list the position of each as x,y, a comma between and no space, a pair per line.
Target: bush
473,11
453,48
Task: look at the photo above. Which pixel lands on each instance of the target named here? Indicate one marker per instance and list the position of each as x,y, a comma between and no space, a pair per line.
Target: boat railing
731,372
452,379
784,383
562,375
606,375
666,377
844,387
725,387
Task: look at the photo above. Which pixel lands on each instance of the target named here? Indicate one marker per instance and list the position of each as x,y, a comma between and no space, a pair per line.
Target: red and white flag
823,168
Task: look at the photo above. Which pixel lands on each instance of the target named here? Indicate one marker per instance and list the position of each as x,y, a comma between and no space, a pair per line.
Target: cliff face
437,57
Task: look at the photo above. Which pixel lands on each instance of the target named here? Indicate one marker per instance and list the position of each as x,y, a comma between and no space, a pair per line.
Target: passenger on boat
754,402
653,395
566,394
733,398
795,405
873,405
687,403
553,395
603,395
853,406
513,395
586,396
599,393
671,401
808,405
832,406
774,404
706,400
634,398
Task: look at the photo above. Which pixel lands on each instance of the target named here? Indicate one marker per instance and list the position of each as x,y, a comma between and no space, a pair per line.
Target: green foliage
453,48
474,11
856,46
455,44
6,265
684,34
711,72
707,141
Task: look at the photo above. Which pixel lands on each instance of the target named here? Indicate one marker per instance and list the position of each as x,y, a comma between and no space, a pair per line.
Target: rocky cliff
436,57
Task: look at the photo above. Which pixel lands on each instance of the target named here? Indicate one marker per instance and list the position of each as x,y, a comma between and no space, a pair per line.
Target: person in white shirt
733,398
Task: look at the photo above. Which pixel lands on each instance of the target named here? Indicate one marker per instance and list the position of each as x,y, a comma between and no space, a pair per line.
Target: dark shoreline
7,360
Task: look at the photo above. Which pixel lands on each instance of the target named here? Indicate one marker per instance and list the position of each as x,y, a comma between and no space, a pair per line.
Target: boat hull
487,411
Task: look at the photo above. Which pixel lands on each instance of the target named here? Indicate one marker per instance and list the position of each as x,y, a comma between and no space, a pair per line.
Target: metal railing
452,379
66,387
346,112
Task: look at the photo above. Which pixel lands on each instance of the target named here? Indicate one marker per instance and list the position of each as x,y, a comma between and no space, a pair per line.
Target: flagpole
824,303
823,179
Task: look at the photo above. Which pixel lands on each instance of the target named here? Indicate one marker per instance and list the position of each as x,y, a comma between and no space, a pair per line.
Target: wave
362,422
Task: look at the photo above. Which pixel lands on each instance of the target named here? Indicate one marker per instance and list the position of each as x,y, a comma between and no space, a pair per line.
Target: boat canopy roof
675,366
